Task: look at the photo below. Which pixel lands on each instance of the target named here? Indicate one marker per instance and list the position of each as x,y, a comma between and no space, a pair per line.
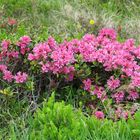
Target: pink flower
119,96
136,51
89,38
135,79
45,67
25,40
133,95
3,67
21,77
40,50
113,83
109,33
99,114
100,92
31,57
7,76
52,43
70,77
120,113
87,84
13,54
12,21
5,44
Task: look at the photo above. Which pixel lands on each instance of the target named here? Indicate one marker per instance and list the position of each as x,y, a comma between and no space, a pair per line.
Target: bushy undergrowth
109,70
55,120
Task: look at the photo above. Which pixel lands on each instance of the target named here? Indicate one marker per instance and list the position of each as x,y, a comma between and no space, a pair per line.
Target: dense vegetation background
25,116
69,18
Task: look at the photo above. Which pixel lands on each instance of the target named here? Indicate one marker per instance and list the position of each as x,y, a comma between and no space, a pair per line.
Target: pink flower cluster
21,77
103,49
119,96
133,95
10,55
5,44
120,113
87,84
113,83
8,76
99,115
99,92
23,44
53,57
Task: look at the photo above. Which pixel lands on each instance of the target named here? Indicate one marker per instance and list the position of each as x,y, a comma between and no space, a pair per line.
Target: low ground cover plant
56,120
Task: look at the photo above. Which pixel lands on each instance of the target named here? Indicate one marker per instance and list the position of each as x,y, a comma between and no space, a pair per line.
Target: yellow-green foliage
58,121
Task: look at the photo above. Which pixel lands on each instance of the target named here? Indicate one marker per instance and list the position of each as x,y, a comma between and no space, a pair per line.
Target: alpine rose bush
107,68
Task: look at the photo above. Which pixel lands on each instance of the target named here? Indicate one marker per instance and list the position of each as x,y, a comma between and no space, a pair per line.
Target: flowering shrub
109,69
